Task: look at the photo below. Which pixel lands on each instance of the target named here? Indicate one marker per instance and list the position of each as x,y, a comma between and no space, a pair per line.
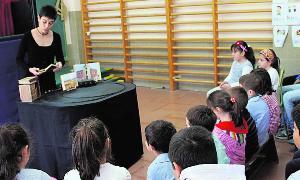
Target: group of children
239,118
219,138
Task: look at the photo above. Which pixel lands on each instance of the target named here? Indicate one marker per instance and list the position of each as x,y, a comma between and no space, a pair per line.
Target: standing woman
41,46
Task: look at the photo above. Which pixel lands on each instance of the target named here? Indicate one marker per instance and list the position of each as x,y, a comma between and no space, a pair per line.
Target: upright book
69,81
90,71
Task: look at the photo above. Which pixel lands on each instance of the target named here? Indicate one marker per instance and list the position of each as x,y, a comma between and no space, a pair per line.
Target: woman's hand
34,71
58,67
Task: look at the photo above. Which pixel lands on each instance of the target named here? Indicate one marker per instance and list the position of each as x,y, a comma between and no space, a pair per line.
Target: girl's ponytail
89,147
250,56
236,112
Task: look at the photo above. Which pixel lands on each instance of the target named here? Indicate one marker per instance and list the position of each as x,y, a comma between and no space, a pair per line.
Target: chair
279,89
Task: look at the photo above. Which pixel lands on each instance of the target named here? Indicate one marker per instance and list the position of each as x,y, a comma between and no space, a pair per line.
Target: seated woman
90,150
15,153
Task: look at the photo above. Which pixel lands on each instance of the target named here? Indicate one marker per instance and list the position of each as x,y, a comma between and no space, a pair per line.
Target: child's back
106,171
233,139
160,168
252,145
274,112
259,111
232,128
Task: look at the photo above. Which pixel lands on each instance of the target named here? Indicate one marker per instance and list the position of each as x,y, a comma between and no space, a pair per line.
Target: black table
50,119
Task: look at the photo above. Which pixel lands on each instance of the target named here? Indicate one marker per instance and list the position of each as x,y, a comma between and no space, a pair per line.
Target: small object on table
29,89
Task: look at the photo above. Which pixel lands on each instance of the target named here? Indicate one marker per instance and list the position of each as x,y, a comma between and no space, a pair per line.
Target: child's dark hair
89,146
13,139
240,95
275,61
223,100
296,115
243,46
252,82
202,116
192,146
158,134
266,83
242,79
48,11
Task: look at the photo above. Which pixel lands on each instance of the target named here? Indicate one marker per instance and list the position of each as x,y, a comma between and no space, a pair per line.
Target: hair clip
241,46
233,100
268,54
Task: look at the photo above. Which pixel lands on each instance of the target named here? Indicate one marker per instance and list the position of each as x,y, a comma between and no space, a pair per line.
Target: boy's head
252,84
240,95
201,116
158,135
296,118
242,80
192,146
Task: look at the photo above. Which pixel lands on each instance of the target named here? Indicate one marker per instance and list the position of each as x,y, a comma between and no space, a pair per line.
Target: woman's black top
40,57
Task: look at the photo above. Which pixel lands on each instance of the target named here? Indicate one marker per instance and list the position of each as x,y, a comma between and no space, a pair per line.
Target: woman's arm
59,52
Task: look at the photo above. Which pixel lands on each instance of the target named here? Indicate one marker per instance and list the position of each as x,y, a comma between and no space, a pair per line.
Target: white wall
73,5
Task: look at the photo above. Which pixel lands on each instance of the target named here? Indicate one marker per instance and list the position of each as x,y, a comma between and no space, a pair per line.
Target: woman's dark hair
223,100
265,79
276,61
13,139
89,147
48,11
243,46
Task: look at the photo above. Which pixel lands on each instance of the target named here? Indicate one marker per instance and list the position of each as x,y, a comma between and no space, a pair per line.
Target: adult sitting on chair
291,95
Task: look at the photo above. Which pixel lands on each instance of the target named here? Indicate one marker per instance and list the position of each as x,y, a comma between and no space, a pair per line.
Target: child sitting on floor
269,61
243,63
203,116
158,136
269,96
15,153
91,147
257,107
193,155
251,139
232,128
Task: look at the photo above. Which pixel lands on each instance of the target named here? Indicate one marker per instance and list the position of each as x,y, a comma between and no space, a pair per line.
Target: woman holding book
41,46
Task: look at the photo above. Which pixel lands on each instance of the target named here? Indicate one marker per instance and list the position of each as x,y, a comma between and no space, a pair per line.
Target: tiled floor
157,104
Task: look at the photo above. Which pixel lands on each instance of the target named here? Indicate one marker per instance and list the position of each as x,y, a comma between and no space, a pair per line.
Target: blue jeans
291,94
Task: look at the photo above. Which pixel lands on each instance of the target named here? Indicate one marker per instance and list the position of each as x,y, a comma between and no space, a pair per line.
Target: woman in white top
14,155
90,149
243,62
269,61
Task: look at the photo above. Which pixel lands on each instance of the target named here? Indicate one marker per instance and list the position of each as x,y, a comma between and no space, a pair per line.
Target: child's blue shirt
259,111
161,168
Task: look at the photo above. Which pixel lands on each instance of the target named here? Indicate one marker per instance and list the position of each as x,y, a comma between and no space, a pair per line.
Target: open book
41,71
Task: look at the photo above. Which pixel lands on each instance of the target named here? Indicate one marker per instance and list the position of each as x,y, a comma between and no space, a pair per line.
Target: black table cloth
50,119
